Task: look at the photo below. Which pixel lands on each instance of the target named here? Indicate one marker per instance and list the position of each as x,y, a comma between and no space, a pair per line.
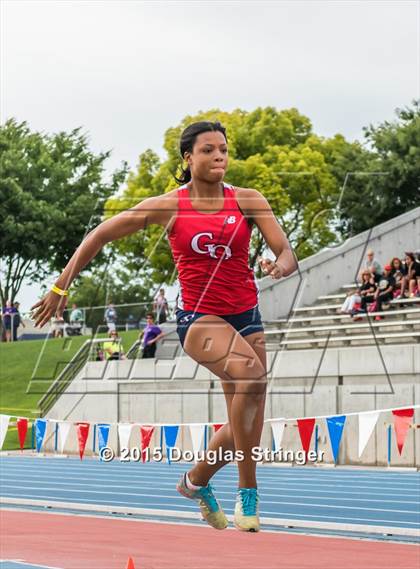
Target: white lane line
319,470
199,523
20,562
177,498
219,491
338,488
311,481
89,463
272,521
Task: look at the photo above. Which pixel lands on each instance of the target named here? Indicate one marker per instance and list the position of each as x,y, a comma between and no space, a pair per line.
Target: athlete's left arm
256,206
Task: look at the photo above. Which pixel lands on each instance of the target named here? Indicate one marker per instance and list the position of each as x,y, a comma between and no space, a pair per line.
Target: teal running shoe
246,516
210,508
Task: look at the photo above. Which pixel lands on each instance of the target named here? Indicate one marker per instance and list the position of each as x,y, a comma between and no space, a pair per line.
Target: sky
126,71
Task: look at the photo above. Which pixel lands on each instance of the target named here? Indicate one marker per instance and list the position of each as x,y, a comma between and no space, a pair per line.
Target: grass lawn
28,368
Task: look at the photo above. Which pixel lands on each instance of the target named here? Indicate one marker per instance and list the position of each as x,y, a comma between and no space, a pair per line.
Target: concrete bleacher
319,324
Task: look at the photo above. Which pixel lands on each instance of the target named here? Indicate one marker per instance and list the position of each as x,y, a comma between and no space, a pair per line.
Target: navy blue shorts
245,323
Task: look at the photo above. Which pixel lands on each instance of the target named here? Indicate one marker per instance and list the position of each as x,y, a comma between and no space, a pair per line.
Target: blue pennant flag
335,430
40,428
103,435
171,434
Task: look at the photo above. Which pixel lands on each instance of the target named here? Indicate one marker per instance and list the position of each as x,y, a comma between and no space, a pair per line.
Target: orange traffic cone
130,563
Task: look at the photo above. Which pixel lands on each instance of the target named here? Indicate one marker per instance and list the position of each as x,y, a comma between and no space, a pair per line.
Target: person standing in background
151,334
160,306
110,317
371,264
16,321
7,316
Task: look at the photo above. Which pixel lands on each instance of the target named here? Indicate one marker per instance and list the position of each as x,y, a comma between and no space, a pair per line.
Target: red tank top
211,251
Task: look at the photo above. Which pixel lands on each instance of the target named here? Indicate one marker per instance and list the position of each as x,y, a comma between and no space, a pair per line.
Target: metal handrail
68,374
133,351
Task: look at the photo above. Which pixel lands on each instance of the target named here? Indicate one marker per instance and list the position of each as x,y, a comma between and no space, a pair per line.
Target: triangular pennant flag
82,436
22,427
103,435
197,435
146,433
367,423
130,564
402,420
124,434
335,430
217,426
171,433
4,425
278,430
63,432
40,428
306,428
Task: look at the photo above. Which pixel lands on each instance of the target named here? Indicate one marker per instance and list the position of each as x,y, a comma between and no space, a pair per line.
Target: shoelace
207,494
249,500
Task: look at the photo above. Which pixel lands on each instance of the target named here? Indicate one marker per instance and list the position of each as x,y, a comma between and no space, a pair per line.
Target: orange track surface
77,542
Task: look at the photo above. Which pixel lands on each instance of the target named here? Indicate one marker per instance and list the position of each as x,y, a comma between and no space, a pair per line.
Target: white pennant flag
197,434
63,432
278,430
367,422
4,425
124,433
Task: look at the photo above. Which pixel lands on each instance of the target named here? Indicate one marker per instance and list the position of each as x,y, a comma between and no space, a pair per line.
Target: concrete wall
350,380
329,269
366,363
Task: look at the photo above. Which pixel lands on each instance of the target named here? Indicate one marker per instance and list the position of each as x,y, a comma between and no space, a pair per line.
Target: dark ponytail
188,138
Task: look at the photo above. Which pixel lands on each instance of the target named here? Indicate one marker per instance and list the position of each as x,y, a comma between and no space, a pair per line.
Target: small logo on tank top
209,248
231,219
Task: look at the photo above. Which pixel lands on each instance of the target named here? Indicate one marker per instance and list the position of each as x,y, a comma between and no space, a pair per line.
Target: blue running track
344,498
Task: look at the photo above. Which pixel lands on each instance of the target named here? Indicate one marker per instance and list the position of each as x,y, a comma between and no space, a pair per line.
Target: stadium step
362,339
407,313
400,325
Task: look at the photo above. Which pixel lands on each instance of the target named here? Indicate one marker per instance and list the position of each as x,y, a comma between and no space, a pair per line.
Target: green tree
391,183
51,192
269,150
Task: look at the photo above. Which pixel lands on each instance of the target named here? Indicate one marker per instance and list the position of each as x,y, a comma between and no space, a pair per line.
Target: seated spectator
113,349
375,275
384,292
57,327
151,334
398,271
411,280
76,315
369,263
354,297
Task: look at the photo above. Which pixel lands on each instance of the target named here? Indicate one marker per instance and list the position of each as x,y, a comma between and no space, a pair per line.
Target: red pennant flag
306,428
145,436
82,435
130,564
22,427
402,420
217,426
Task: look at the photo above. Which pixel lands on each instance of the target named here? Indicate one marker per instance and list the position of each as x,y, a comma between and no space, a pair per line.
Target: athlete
208,224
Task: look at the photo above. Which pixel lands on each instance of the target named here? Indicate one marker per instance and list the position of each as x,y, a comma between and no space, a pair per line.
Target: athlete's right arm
147,212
